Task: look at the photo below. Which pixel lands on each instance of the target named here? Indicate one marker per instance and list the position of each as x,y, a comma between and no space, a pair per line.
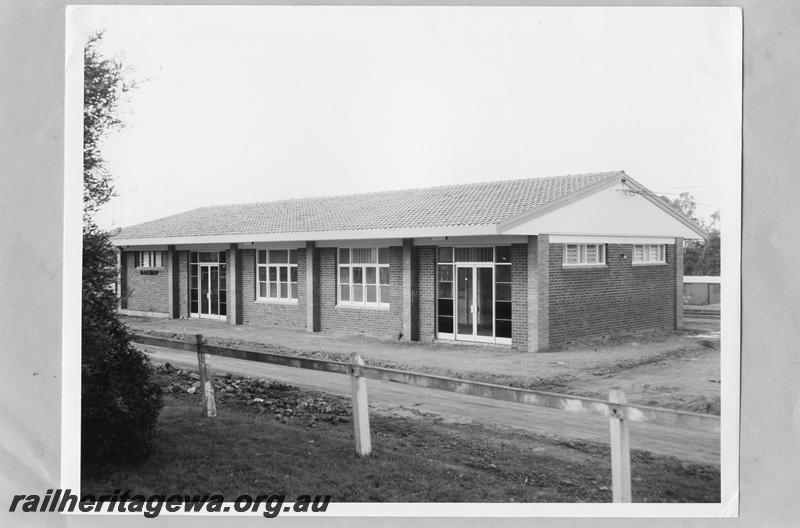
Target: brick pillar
408,288
182,272
538,293
173,295
424,305
234,304
312,287
543,280
122,275
519,297
678,283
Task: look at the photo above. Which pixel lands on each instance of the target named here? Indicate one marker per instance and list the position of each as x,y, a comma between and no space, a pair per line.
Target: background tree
119,401
684,203
701,257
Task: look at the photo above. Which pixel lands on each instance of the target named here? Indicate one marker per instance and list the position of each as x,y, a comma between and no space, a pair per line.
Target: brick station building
532,263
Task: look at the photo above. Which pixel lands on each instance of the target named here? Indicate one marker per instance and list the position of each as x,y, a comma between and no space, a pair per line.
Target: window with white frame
649,253
364,276
584,254
147,259
276,277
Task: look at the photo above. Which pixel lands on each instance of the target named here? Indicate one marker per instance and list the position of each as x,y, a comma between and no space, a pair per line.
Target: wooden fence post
209,403
360,411
620,450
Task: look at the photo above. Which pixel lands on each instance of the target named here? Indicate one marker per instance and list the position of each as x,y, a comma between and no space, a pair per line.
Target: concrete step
694,313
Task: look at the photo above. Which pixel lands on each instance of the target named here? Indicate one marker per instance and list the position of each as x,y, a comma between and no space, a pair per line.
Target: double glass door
207,285
475,302
209,290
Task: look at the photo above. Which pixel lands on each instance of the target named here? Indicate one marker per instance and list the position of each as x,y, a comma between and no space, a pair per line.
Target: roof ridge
405,189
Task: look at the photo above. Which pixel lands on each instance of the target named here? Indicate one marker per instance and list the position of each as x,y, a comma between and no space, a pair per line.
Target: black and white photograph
335,259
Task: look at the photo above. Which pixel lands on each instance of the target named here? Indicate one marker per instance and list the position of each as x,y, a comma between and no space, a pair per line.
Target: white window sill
379,307
142,268
649,263
289,302
584,266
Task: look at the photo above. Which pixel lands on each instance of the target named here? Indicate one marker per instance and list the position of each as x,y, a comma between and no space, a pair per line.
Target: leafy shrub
120,402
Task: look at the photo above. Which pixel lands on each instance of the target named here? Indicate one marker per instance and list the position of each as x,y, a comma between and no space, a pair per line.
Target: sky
248,104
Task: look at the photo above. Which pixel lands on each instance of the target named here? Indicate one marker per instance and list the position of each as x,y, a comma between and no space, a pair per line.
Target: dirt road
675,370
387,397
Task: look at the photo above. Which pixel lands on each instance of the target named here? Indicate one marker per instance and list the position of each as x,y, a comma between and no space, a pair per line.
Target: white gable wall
609,212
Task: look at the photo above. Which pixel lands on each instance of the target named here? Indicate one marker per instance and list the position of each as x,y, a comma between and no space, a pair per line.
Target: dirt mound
285,402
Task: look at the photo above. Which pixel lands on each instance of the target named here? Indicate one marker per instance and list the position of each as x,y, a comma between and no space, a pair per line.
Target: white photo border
71,321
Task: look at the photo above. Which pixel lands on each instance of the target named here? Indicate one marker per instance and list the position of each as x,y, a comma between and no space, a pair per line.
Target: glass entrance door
205,298
465,322
207,290
484,305
475,303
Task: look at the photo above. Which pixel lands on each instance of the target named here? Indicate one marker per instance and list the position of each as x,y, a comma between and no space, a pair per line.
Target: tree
700,257
120,403
105,81
684,203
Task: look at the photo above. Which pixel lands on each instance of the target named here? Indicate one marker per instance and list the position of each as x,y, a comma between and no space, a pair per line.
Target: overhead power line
658,195
690,186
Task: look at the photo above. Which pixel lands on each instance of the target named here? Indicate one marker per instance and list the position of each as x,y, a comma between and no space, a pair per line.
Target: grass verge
265,447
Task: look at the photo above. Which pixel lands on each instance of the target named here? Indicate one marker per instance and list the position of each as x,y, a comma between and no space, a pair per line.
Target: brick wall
583,303
368,321
146,293
425,290
183,284
614,299
262,313
317,295
234,277
519,297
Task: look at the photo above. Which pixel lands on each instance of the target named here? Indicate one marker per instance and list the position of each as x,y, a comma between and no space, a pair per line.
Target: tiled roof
471,204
